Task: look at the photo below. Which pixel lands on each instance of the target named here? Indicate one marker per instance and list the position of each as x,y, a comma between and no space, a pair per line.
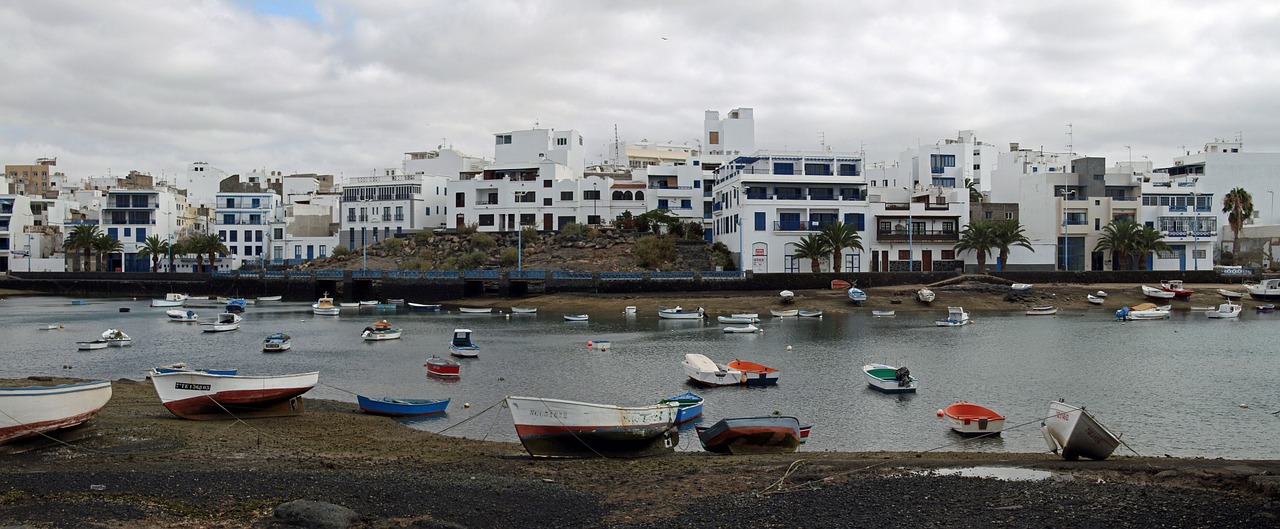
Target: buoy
788,347
466,405
590,343
939,413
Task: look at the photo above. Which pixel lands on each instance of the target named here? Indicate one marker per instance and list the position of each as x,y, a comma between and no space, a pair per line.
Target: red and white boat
967,418
203,396
1175,286
565,428
35,410
756,374
443,367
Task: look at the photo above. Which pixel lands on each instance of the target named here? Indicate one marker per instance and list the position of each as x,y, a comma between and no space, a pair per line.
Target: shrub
593,233
654,251
693,230
340,251
468,229
472,260
529,233
482,242
423,238
414,264
393,246
573,230
510,256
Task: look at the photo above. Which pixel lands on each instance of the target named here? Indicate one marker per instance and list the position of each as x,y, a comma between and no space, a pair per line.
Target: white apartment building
438,168
201,182
132,215
306,231
242,222
1185,214
376,208
1223,166
950,162
15,240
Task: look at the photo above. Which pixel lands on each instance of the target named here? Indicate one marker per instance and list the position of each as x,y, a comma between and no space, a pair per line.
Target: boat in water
1073,432
1143,311
325,307
784,313
969,419
744,329
809,313
424,307
956,316
755,374
890,379
679,313
89,345
236,306
381,330
690,404
116,338
37,410
443,367
524,310
576,317
182,316
171,299
462,346
565,428
476,310
735,320
205,396
1046,310
772,434
883,313
226,321
1225,311
702,370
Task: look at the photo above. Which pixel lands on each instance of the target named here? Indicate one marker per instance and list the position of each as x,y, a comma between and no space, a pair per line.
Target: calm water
1170,387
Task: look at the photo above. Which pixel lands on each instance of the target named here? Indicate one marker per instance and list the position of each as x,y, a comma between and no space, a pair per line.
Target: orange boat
967,418
839,284
755,374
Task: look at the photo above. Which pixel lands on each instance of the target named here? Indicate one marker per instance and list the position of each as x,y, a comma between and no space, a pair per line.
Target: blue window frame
784,168
760,221
140,235
686,203
113,233
662,203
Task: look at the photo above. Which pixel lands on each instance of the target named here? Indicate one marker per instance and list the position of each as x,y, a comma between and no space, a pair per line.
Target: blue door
311,252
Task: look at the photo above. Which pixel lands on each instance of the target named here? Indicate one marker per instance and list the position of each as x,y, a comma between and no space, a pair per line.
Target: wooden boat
690,406
424,307
443,367
956,316
1265,290
183,316
679,313
324,306
701,370
397,407
277,343
565,428
89,345
1046,310
857,296
1143,311
475,310
786,296
784,313
524,310
755,374
116,338
773,434
36,410
967,418
1094,299
1225,310
1175,286
1230,294
1021,287
172,299
576,317
890,379
236,306
261,299
1156,293
734,320
882,313
745,329
462,346
226,321
840,284
1074,433
1265,308
925,295
381,330
203,396
809,313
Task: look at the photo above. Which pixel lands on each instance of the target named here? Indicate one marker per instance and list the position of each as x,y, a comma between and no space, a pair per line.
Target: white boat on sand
1156,293
1075,433
201,395
1230,294
1021,287
36,410
1265,290
784,313
565,428
703,370
1143,311
925,295
1094,299
787,296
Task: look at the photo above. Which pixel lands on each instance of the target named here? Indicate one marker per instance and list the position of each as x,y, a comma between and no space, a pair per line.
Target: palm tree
1149,240
106,245
1238,205
974,194
813,247
81,238
839,236
1008,234
205,244
1122,238
980,238
178,247
153,247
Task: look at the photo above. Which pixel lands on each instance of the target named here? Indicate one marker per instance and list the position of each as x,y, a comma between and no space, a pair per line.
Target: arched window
617,195
626,195
639,195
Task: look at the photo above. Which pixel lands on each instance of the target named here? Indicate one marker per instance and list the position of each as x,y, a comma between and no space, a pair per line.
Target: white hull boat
564,428
227,321
890,379
35,410
809,313
183,316
270,298
956,316
883,313
461,345
577,317
325,307
787,296
1021,287
475,310
1225,310
424,307
1075,433
679,314
1144,311
201,396
524,310
744,329
380,331
925,295
90,345
750,315
702,370
1094,299
1042,311
1156,293
1266,290
1230,294
734,320
784,313
116,338
171,299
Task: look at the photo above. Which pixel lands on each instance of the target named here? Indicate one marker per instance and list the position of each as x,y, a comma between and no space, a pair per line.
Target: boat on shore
565,428
37,410
755,374
1176,286
809,313
1020,287
475,310
857,295
1143,311
771,434
1046,310
205,396
1230,294
443,367
702,370
1094,299
969,419
1265,290
690,406
1225,311
784,313
1156,293
786,297
1073,432
890,379
925,295
461,345
399,407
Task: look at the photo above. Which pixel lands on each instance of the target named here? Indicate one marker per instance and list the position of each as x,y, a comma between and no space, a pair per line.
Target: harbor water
1188,386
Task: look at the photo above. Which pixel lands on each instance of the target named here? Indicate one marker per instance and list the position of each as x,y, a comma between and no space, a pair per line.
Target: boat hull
205,396
751,435
886,378
1077,433
701,370
443,367
784,313
562,428
968,419
754,374
40,409
690,406
392,407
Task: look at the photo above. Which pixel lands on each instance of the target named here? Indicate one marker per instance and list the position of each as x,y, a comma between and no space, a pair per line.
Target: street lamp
29,238
595,188
519,244
739,190
1271,213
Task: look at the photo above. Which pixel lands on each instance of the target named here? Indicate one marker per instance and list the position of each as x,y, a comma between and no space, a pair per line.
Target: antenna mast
617,158
1071,149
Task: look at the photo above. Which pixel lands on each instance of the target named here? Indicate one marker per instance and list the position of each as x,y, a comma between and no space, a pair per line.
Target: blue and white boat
236,306
462,346
857,296
396,407
690,406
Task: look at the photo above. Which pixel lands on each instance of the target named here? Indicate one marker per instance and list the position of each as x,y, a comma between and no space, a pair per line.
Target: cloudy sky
348,86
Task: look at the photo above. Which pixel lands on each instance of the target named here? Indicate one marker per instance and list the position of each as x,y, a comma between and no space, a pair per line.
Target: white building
131,216
242,222
438,168
376,208
1185,214
950,162
201,182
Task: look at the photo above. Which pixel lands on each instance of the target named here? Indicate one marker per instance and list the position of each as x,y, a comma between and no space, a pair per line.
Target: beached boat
786,296
702,370
755,374
690,406
956,316
398,407
202,396
261,299
678,313
784,313
1265,290
424,307
1225,310
475,310
772,434
890,379
809,313
925,295
1176,286
1046,310
857,295
368,303
277,343
524,310
744,329
1143,311
1021,287
840,284
116,338
1230,294
1074,433
462,346
171,299
89,345
883,313
35,410
1156,293
1094,299
1101,294
226,321
179,367
325,307
735,320
443,367
183,316
967,418
750,315
236,306
1265,308
381,330
576,317
565,428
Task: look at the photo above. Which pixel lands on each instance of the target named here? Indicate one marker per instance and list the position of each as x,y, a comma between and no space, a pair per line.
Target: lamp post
29,238
596,200
519,244
1195,237
1271,213
364,249
168,228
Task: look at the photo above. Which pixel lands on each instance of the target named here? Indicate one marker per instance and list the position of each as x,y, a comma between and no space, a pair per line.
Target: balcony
800,225
923,236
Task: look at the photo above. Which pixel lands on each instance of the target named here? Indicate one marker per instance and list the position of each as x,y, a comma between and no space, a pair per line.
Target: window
562,141
546,201
686,203
1008,215
399,212
594,194
233,234
949,254
714,138
986,215
904,255
939,162
546,183
662,203
503,139
848,169
277,233
817,169
760,222
324,250
783,168
486,220
566,195
297,251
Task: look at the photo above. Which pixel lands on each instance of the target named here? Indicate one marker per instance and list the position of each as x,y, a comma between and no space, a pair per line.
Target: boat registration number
188,385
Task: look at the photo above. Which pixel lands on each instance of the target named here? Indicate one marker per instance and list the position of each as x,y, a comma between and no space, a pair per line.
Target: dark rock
315,514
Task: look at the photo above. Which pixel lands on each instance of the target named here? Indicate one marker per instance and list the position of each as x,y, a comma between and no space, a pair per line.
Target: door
547,221
926,260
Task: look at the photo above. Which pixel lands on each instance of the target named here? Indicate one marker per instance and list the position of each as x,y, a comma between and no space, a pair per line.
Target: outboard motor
1120,314
903,376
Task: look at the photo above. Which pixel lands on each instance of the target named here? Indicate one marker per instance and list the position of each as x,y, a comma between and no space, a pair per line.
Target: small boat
226,321
37,410
602,345
371,303
1075,433
773,434
462,346
348,304
1143,311
381,330
125,309
629,310
1156,293
857,295
91,344
956,316
77,302
565,428
1021,287
1094,299
180,367
748,328
49,326
1265,290
755,374
784,313
276,343
750,315
734,320
393,301
690,406
809,313
1230,294
925,295
1196,308
576,317
116,338
1101,294
171,299
1265,308
396,407
269,298
890,379
387,306
701,370
882,313
679,314
475,310
1175,286
967,418
236,306
324,306
1045,310
443,367
184,316
201,396
524,310
840,284
786,296
1225,310
424,307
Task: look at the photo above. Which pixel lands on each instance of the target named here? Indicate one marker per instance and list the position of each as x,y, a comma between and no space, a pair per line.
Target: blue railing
668,276
528,274
560,274
440,274
273,274
403,274
223,273
329,274
724,275
481,274
621,276
366,274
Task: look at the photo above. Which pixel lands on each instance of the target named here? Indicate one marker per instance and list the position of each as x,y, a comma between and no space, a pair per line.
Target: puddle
1004,473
